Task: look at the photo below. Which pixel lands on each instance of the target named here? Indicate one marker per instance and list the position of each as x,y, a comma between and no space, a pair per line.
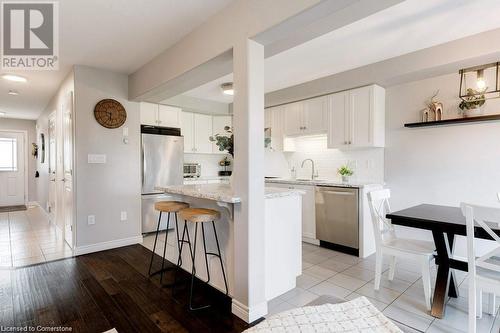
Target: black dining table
442,221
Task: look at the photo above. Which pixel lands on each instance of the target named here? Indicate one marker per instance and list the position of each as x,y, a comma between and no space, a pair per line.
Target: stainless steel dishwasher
337,218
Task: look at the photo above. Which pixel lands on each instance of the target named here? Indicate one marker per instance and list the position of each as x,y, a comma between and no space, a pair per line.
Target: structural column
249,301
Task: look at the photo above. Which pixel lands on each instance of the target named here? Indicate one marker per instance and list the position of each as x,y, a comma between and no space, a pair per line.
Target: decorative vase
473,112
345,179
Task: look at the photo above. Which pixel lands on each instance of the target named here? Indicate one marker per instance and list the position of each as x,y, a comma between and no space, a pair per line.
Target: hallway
27,237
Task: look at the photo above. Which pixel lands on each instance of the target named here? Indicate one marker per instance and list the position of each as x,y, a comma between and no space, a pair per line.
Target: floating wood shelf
455,121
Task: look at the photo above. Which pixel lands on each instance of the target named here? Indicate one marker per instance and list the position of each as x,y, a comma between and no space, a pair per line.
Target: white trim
33,204
26,159
79,250
245,313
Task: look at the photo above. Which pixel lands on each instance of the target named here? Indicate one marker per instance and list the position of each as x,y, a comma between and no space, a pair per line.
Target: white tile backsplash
368,164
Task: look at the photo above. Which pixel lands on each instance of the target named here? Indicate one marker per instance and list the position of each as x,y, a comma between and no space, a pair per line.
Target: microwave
192,170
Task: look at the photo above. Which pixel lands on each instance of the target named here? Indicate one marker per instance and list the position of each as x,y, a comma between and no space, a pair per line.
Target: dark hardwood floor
109,289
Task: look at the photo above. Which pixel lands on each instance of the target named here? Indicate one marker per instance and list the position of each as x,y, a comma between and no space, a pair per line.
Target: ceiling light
14,78
13,93
227,88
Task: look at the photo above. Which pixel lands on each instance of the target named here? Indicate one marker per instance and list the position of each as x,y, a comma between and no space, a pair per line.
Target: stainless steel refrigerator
162,156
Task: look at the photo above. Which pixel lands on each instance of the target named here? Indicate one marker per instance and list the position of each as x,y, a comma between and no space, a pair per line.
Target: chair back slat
379,208
483,217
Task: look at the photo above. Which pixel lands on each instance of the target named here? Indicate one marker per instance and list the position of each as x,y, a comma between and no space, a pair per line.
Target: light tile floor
28,237
327,272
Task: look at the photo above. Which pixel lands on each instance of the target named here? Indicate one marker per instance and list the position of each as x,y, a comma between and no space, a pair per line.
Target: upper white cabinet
274,122
306,117
160,115
218,124
187,131
357,118
196,128
169,116
149,114
293,124
315,115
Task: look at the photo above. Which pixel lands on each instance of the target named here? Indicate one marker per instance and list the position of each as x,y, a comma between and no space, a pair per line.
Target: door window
8,154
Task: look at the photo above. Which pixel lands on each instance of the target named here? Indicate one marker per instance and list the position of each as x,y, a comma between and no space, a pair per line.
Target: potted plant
224,141
225,162
346,172
472,103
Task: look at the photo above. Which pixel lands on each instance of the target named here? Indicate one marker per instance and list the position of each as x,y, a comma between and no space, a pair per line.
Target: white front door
12,172
52,167
67,127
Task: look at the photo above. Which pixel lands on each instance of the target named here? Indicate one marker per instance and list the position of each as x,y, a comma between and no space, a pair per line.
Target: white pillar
249,301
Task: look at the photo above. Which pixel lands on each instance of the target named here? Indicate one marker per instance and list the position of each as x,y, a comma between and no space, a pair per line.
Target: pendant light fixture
480,80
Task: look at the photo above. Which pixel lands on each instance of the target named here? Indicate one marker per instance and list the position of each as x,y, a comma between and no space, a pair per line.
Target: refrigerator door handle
143,175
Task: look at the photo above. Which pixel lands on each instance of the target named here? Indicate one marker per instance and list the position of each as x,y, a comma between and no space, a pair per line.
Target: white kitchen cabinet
160,115
202,133
169,116
274,121
315,115
293,115
218,124
306,117
196,128
187,131
357,118
308,210
149,114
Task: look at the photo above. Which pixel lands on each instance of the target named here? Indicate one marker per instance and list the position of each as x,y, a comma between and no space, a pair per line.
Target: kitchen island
283,233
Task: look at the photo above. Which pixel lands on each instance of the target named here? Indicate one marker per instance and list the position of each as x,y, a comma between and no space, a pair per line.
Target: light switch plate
123,216
96,158
91,219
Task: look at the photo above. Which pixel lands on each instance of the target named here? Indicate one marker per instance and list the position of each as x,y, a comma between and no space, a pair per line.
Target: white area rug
358,315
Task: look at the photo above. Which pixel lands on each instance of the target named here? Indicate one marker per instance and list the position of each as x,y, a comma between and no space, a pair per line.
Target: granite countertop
318,182
207,178
222,192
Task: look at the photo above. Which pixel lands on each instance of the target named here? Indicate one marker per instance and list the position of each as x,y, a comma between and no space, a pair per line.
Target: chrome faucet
313,175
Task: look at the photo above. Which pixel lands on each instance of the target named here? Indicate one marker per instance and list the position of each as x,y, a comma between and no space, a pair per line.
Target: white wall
104,190
29,127
438,165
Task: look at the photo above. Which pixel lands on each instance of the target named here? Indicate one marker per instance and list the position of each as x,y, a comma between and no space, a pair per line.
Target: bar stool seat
170,206
166,207
198,216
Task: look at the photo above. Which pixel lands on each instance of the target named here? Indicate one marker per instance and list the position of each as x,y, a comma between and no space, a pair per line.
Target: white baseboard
310,240
245,313
79,250
33,204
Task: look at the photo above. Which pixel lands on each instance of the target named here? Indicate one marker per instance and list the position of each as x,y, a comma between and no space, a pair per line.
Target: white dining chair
387,243
484,271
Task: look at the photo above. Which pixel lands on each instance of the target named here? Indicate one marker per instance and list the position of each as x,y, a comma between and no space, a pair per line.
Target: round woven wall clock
110,113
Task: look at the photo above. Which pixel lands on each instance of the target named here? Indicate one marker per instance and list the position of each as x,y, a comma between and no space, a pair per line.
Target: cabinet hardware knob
349,142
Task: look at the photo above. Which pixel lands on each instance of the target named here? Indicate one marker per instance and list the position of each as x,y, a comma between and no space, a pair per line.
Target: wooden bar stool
200,216
166,207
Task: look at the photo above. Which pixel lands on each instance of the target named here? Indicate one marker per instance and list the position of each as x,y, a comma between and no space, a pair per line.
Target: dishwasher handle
326,190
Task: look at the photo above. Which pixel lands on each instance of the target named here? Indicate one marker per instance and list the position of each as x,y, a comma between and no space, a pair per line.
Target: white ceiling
117,35
404,28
